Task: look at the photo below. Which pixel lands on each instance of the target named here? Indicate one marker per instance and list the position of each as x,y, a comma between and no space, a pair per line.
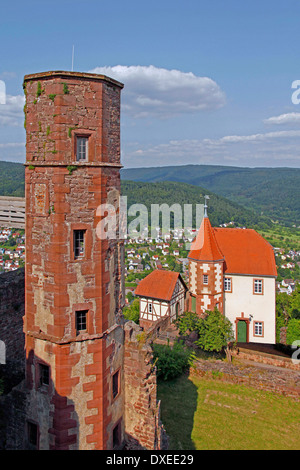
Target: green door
242,332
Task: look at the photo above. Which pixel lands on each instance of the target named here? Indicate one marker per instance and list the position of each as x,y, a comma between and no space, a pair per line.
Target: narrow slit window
116,384
79,243
32,435
81,148
81,321
117,435
150,307
44,372
205,279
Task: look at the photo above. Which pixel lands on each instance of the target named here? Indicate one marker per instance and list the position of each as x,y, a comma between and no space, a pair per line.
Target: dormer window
82,148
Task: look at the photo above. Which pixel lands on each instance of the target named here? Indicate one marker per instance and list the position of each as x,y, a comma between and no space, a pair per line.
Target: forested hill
274,192
12,179
220,209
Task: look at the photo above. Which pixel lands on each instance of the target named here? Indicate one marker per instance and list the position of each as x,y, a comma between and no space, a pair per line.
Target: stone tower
206,267
74,293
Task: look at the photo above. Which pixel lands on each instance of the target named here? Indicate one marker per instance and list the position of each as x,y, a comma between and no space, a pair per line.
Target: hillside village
170,252
12,249
144,255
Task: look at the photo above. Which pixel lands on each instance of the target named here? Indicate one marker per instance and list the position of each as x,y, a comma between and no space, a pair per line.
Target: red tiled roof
159,284
205,246
244,250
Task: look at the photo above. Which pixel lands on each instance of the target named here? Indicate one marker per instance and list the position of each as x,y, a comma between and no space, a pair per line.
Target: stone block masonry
69,270
142,411
76,387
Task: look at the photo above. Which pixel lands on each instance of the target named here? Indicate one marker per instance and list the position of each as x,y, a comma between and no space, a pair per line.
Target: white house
234,270
161,293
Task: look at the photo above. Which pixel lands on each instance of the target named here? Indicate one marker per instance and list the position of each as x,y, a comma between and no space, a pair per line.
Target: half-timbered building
161,293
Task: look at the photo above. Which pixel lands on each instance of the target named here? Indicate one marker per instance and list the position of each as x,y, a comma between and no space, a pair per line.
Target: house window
44,375
227,284
150,307
81,148
205,279
79,236
116,384
81,321
258,328
258,286
194,304
32,435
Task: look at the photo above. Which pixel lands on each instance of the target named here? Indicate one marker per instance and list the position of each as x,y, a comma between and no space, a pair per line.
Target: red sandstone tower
74,292
206,266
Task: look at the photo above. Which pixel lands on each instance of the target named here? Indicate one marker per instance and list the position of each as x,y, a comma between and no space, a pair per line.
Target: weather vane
205,205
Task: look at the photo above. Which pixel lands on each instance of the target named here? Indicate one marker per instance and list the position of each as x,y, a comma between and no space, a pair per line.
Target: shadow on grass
178,406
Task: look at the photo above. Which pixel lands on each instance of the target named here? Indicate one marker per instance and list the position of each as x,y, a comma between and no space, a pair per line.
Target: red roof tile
159,284
205,246
244,250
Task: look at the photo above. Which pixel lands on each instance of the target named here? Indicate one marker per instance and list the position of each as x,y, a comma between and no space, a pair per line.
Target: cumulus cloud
289,118
11,113
151,91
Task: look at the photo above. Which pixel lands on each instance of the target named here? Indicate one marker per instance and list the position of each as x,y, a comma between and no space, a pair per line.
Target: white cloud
12,145
11,113
151,91
269,149
232,139
289,118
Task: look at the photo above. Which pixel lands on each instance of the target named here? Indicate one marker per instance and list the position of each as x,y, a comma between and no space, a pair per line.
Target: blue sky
206,82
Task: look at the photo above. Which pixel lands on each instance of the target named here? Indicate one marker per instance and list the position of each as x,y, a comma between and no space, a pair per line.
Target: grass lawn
207,414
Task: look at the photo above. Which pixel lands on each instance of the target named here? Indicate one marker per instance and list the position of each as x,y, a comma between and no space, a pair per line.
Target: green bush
214,330
293,331
133,311
171,361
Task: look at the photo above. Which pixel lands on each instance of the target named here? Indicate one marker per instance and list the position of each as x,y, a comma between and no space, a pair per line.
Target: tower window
32,435
81,148
44,374
205,279
79,236
117,435
116,384
81,321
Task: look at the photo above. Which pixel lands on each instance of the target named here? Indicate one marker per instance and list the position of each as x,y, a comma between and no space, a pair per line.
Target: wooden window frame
262,286
86,317
262,328
86,134
226,278
87,242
